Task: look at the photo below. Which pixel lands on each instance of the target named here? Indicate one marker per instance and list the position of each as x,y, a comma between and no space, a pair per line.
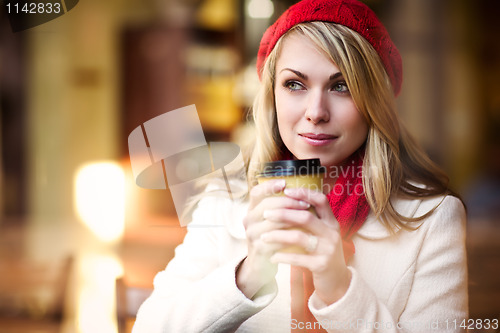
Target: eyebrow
335,76
305,77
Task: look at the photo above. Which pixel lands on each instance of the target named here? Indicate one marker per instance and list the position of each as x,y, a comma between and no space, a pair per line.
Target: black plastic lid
292,168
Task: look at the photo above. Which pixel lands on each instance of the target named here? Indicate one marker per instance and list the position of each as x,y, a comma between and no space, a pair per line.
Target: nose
317,109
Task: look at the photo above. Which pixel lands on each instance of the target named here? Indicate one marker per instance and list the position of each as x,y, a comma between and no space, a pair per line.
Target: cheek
353,120
284,125
281,102
357,125
285,114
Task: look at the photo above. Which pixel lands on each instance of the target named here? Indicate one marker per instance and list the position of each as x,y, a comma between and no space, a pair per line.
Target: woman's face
316,115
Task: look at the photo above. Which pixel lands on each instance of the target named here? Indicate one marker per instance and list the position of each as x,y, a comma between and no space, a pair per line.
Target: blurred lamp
100,199
96,311
260,8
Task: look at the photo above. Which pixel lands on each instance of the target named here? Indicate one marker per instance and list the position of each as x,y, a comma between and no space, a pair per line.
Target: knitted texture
348,202
350,13
350,208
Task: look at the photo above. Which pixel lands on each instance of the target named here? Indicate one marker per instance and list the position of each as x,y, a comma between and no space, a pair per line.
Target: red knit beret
350,13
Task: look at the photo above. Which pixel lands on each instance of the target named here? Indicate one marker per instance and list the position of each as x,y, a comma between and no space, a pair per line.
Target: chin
326,161
329,161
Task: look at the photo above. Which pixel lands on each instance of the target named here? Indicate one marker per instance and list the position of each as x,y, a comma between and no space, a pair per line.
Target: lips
318,139
318,136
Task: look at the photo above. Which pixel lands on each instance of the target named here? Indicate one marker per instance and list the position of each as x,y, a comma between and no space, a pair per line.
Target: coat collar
374,229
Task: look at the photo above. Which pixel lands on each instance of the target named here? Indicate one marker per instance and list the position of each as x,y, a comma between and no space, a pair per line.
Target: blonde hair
393,162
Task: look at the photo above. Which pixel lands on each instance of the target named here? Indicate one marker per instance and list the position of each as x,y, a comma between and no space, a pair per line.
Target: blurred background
80,243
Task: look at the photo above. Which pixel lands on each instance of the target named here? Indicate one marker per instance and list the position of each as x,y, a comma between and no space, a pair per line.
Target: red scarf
350,208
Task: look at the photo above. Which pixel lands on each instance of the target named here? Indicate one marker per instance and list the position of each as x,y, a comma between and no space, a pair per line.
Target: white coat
408,281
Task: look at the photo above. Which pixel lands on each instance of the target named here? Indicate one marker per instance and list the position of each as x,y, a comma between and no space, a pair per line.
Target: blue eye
293,85
340,87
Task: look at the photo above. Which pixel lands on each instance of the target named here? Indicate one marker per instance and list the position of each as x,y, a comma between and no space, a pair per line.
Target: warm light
96,298
100,199
260,8
217,14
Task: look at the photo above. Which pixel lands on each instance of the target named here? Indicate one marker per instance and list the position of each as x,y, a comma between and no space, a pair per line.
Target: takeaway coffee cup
297,174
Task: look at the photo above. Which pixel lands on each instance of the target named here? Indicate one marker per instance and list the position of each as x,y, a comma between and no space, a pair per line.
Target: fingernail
266,214
304,204
280,182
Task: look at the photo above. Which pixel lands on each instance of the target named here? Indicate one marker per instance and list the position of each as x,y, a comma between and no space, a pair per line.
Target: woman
391,258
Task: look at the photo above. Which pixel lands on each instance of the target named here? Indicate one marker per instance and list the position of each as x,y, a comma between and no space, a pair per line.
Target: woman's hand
257,270
326,262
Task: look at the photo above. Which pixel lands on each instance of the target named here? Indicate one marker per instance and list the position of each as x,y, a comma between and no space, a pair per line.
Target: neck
328,183
346,169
